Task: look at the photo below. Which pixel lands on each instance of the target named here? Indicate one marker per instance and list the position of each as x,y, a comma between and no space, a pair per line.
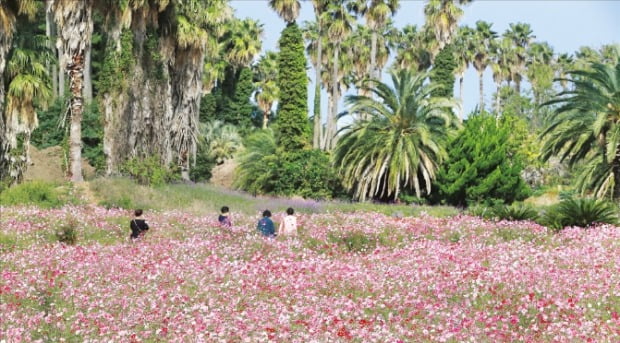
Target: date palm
401,144
585,128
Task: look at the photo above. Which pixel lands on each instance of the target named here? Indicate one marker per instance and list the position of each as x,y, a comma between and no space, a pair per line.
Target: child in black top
138,225
224,217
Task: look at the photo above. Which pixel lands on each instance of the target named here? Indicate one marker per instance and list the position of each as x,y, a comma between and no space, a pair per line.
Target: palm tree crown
586,127
402,142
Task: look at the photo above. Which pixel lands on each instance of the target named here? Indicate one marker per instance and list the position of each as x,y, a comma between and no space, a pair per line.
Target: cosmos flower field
356,277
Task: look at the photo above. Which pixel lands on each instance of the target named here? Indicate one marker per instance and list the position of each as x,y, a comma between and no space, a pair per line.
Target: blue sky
565,25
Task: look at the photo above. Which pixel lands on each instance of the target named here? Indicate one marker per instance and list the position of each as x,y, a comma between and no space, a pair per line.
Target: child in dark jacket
265,225
224,217
138,225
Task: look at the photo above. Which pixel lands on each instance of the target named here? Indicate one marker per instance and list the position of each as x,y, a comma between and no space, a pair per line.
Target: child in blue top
265,225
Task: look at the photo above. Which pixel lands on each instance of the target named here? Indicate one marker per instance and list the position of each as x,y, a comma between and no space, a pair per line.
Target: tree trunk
76,77
462,109
88,80
265,118
373,56
316,137
49,32
334,135
481,85
497,100
61,74
331,124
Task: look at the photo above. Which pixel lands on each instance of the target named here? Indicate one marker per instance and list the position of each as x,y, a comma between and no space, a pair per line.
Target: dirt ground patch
223,174
46,165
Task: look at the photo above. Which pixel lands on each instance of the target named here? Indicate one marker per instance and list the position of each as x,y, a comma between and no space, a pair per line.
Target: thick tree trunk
316,137
481,85
76,77
5,146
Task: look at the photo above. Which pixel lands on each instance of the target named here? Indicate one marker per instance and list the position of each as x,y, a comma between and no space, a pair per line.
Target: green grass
204,199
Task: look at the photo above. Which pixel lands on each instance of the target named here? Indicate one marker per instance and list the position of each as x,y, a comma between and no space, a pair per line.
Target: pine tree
293,130
483,165
443,73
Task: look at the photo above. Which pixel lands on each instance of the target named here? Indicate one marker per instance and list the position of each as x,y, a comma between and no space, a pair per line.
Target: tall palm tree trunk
74,24
49,33
481,85
265,118
331,125
316,137
497,102
461,109
373,56
88,80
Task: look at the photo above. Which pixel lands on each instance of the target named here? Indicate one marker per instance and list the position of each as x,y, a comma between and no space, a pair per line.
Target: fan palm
402,143
464,56
442,16
320,7
377,14
521,36
267,87
413,49
483,40
243,42
586,128
288,10
503,62
221,140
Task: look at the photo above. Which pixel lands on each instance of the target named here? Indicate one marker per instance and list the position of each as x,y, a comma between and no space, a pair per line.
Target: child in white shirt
288,226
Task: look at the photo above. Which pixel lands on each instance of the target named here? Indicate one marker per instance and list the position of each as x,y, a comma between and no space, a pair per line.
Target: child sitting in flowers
265,225
138,225
288,226
224,217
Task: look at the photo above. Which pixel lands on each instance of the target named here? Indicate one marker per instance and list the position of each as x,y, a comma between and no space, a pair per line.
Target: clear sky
565,25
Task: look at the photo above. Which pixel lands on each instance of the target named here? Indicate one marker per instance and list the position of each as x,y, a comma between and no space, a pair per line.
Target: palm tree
243,42
503,61
29,86
377,13
402,143
483,40
521,36
463,53
221,140
340,25
413,48
266,86
74,23
539,71
564,63
586,128
288,10
9,10
320,6
442,17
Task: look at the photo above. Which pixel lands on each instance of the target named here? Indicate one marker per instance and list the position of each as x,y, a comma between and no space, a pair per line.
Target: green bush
149,171
582,212
516,211
39,193
67,233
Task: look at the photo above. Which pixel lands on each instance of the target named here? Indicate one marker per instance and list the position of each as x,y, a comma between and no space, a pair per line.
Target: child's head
290,211
224,209
266,213
137,212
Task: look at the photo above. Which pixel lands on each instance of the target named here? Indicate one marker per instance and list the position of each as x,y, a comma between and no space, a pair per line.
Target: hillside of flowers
348,277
